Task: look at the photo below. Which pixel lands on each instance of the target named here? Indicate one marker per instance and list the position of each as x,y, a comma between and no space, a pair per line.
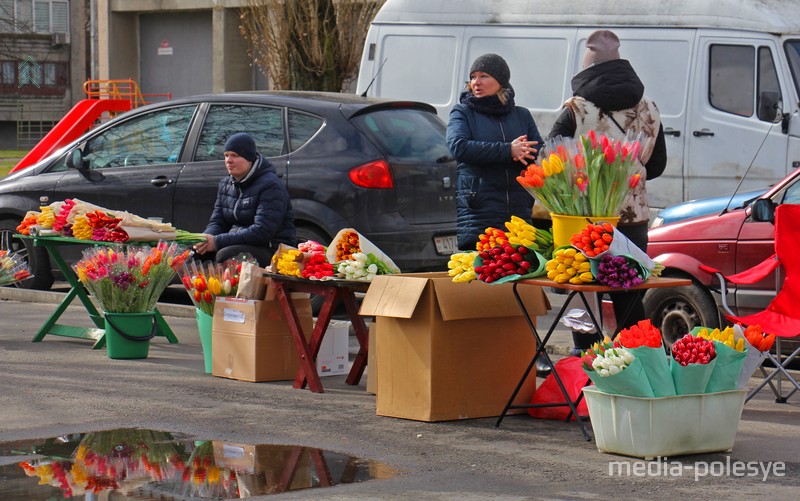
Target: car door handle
704,132
669,131
160,181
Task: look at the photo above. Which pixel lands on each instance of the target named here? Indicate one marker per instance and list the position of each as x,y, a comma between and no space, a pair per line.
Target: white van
718,70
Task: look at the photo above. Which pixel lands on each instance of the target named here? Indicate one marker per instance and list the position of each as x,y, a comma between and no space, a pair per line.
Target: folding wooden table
541,344
335,292
53,244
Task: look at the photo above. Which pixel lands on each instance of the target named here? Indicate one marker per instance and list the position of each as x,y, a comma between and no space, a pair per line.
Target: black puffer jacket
612,86
254,211
487,190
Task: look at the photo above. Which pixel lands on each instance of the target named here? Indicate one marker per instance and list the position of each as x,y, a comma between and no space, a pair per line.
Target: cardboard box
251,339
372,364
450,350
333,357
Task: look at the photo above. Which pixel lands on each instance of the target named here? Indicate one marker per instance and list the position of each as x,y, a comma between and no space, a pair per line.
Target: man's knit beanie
493,65
601,46
242,144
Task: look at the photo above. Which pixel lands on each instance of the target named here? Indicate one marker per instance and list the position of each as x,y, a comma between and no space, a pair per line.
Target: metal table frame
76,289
541,344
334,292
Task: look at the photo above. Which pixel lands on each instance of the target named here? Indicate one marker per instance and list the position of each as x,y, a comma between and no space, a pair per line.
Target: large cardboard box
251,339
450,350
372,364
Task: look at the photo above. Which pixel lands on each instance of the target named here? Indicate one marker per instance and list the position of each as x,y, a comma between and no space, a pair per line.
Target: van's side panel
417,63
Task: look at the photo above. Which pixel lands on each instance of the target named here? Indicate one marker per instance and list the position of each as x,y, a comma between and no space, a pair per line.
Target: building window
34,16
51,16
46,79
8,74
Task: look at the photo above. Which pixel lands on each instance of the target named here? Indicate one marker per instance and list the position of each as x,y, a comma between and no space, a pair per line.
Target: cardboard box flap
393,296
458,301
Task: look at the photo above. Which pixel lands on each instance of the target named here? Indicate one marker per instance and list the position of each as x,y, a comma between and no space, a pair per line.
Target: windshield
792,48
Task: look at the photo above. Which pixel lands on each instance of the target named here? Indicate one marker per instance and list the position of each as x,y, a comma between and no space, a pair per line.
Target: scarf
489,105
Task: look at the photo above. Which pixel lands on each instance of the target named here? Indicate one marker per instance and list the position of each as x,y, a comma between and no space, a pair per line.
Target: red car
731,241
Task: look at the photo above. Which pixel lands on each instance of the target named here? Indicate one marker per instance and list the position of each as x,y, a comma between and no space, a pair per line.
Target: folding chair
782,315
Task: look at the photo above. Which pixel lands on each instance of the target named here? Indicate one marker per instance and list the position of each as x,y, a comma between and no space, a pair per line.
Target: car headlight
657,221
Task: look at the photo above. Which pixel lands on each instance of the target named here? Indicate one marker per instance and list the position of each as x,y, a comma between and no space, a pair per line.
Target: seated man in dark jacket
253,213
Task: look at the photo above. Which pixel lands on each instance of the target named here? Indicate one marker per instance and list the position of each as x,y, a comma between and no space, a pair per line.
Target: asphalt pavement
61,386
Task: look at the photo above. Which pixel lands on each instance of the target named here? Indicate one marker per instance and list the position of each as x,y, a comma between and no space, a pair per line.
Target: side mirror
763,210
769,105
75,159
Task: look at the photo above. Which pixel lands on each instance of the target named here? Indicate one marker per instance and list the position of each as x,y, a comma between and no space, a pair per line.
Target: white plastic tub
667,426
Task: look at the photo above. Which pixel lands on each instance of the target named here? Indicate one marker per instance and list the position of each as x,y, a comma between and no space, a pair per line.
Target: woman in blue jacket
253,213
492,140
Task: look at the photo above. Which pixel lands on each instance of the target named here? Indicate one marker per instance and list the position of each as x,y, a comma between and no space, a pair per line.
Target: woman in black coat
492,140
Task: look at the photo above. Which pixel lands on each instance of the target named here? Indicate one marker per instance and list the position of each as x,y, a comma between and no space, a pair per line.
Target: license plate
446,245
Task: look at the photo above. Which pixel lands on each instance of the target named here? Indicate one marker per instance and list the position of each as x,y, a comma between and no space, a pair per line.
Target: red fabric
782,316
574,379
757,272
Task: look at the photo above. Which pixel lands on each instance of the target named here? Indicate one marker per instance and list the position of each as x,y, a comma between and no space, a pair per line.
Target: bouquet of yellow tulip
585,176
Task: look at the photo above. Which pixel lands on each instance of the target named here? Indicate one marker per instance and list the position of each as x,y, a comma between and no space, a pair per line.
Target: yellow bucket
566,226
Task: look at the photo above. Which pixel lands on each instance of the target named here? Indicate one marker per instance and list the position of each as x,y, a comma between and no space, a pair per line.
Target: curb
33,296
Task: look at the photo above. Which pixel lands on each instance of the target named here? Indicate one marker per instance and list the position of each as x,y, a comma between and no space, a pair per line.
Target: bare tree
307,44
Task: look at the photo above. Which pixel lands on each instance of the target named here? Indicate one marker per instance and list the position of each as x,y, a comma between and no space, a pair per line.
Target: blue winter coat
255,211
487,191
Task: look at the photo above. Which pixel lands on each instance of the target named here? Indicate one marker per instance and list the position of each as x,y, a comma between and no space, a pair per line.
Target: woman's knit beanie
493,65
601,46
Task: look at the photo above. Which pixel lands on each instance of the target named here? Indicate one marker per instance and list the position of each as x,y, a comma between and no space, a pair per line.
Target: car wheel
678,310
305,233
37,257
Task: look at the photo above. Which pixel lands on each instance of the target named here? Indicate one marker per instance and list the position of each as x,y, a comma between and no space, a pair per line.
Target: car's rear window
406,134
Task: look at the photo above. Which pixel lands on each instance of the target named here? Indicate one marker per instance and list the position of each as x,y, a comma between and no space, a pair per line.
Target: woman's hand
523,150
207,246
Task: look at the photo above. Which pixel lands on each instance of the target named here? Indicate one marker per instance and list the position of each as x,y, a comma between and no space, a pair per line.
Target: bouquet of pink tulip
130,279
585,176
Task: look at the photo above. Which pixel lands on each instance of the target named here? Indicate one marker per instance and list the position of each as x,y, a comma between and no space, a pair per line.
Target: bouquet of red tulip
584,176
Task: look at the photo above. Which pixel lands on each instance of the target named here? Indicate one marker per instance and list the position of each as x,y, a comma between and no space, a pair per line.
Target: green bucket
128,335
204,329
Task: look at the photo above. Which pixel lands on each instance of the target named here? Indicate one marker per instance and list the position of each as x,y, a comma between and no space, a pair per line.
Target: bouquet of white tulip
612,361
362,266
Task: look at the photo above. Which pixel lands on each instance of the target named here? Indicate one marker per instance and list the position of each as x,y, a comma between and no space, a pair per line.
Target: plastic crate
666,426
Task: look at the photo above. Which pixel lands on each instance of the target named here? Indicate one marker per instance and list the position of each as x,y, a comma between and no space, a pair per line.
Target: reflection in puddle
149,464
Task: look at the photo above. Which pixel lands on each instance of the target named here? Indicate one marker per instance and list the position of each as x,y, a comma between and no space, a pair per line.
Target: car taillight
372,175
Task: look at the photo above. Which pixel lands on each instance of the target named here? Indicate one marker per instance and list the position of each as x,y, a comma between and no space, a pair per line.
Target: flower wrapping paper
752,360
727,369
631,381
656,368
366,246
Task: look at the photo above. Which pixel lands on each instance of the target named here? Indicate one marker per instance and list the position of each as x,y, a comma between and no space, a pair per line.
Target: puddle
149,464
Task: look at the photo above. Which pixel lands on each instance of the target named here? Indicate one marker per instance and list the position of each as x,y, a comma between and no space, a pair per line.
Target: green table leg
52,327
164,329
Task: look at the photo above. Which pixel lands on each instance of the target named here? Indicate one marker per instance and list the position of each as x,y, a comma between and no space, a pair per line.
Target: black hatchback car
380,167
